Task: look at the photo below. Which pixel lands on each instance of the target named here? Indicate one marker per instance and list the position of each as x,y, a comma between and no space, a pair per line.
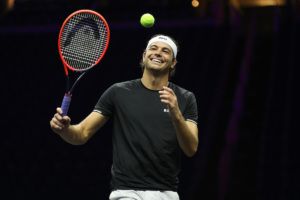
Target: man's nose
157,52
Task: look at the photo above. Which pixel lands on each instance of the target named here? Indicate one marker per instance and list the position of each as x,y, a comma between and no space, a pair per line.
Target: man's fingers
59,110
168,89
165,101
61,119
59,122
54,123
58,116
66,120
168,97
163,94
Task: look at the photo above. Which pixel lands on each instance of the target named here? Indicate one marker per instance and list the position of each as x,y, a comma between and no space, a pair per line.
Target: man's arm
186,131
187,134
80,133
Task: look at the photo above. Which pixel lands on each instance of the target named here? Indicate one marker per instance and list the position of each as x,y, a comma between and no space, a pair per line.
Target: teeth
156,60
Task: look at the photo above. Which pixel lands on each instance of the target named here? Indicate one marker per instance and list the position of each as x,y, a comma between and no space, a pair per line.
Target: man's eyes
164,50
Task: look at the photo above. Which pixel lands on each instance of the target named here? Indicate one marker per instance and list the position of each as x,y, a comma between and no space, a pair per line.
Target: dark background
242,64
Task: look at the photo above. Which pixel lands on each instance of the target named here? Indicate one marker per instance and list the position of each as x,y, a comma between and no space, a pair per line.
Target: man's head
163,49
165,39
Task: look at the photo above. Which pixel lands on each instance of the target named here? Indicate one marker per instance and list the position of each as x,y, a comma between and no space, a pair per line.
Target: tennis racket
83,41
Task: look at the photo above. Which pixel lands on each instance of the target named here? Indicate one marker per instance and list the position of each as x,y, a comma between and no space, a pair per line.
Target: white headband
165,39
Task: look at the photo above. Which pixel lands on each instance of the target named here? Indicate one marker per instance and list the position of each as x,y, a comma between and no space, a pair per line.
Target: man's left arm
186,131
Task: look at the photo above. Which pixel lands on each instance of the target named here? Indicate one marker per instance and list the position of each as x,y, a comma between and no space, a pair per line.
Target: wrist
176,115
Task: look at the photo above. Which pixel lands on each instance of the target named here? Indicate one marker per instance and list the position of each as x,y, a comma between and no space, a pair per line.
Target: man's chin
158,71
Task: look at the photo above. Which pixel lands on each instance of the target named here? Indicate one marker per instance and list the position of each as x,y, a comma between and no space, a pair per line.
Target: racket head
83,40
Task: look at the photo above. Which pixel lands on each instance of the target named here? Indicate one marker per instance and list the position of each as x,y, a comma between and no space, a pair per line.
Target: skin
158,60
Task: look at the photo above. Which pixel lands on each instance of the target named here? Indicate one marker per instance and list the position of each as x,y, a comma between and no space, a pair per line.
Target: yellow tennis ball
147,20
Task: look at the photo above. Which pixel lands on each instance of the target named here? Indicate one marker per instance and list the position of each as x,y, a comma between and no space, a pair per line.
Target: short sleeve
105,104
191,111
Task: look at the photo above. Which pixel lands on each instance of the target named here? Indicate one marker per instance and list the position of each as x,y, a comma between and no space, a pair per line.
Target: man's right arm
80,133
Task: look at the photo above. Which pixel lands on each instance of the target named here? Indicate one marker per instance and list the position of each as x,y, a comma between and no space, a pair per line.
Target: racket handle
66,103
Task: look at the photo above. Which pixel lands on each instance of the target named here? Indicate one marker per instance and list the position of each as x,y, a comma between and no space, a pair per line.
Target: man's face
159,58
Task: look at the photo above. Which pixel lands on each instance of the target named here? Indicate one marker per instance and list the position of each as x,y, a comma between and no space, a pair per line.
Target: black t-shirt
146,153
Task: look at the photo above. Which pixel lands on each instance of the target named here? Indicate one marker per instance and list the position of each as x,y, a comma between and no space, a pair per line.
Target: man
154,120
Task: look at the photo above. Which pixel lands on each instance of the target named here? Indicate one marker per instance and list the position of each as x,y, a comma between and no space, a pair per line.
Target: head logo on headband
165,39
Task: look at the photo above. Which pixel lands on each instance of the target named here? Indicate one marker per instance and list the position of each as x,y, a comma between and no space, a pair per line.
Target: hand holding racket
83,41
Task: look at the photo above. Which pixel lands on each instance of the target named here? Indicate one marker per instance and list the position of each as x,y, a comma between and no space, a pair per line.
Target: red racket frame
66,65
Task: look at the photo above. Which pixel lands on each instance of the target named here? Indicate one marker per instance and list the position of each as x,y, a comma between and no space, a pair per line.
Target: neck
154,82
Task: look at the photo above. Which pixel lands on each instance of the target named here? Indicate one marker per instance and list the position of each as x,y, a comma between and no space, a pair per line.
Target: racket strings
83,41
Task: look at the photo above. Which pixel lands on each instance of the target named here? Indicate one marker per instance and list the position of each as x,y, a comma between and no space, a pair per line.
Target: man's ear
174,63
144,53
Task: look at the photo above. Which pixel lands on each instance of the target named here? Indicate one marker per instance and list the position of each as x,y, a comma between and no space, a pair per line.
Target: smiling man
154,122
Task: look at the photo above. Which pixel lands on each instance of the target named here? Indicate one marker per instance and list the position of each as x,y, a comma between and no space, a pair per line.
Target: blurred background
239,57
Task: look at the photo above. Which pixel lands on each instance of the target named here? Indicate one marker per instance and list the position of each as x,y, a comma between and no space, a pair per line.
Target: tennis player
154,121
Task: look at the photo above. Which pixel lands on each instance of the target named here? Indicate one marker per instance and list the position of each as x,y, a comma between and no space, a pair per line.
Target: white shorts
143,195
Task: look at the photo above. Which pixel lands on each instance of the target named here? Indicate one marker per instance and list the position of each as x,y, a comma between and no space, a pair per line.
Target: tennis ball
147,20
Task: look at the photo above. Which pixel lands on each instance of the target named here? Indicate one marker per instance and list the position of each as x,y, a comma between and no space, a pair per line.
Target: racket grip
66,103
